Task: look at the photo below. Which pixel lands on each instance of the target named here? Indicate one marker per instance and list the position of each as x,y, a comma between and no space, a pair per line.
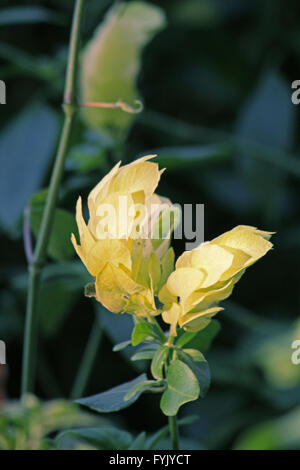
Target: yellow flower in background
116,245
206,275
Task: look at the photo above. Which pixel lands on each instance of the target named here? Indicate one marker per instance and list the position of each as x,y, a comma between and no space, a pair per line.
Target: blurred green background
216,87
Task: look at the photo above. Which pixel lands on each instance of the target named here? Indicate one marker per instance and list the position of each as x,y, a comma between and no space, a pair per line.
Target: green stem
29,351
70,108
157,328
174,432
88,360
173,425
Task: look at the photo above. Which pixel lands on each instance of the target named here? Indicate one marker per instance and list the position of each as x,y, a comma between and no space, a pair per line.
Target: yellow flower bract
206,275
128,271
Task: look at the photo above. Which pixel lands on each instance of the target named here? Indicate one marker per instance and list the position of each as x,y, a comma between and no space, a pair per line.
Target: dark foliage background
216,85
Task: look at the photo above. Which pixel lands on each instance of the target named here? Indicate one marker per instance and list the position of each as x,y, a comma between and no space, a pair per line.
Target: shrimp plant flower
125,245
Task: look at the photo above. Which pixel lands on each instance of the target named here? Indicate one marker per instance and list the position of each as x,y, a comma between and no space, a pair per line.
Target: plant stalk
173,426
88,360
35,269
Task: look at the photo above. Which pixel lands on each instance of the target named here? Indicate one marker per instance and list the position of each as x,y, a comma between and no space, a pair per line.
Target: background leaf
27,14
27,152
101,438
60,246
113,399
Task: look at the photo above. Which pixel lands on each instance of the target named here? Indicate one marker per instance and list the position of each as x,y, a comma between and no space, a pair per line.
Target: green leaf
139,442
27,14
111,62
195,354
61,286
200,340
200,369
176,158
182,387
39,197
141,387
144,353
55,302
60,246
282,432
86,157
158,362
140,332
113,399
26,144
120,346
267,118
102,438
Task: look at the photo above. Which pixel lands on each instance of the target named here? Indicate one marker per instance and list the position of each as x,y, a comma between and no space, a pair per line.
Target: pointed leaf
158,362
140,388
144,353
120,346
139,442
103,438
113,399
140,332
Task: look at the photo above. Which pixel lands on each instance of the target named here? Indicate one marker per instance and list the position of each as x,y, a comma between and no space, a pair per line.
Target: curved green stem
157,328
173,427
70,108
88,360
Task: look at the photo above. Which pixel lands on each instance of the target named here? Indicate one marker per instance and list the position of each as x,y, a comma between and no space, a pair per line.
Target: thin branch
70,108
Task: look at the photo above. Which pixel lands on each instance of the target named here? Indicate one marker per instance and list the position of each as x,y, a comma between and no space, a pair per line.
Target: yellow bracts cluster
206,275
132,269
128,268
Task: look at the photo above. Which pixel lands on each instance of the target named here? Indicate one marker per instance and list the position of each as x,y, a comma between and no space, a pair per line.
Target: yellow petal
166,297
185,260
154,270
114,217
198,321
201,299
78,249
240,260
139,175
140,305
213,259
247,240
108,250
114,288
183,281
87,240
103,186
171,317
